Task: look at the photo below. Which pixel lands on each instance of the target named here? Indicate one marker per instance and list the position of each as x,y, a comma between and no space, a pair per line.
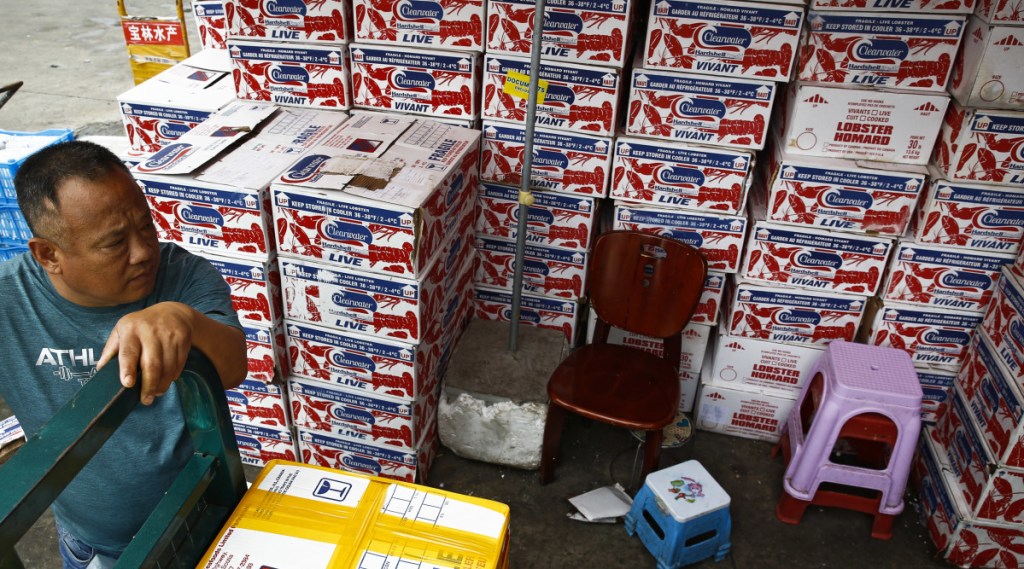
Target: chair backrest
644,283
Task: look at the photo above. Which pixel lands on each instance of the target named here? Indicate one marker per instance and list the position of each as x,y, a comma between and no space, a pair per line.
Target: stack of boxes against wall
585,47
970,468
381,414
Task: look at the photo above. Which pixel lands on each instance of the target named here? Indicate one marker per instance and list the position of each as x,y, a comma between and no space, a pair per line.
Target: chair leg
652,452
552,440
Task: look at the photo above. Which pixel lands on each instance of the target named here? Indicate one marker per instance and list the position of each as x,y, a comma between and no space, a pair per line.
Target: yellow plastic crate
307,517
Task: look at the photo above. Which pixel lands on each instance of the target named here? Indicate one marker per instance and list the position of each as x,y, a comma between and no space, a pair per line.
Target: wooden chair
648,285
195,507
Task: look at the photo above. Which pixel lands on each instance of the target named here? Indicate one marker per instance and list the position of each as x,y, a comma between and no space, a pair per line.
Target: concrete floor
72,58
595,455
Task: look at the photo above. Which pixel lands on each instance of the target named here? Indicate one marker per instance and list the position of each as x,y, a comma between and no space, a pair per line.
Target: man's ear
45,252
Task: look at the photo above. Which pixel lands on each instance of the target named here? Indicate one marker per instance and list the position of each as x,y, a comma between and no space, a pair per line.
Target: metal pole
525,197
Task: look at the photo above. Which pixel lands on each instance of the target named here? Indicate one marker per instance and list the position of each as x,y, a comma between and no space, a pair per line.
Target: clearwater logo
361,464
357,416
691,238
287,75
172,130
722,39
559,94
1017,152
679,176
817,260
347,233
562,24
352,361
196,215
419,11
961,280
305,169
166,157
411,81
550,159
949,338
283,8
848,200
878,51
359,301
805,318
525,315
702,109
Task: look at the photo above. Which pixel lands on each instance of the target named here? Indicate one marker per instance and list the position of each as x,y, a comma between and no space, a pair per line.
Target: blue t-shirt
50,350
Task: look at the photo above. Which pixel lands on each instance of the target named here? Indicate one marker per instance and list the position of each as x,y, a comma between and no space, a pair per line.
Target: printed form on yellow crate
302,516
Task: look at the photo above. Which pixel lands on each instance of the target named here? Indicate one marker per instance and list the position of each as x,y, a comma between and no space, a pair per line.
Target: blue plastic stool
682,516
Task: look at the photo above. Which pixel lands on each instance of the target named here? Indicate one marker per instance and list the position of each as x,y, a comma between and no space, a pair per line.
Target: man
97,284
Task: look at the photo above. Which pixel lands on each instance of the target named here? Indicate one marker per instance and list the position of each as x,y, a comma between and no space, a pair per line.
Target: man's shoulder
16,267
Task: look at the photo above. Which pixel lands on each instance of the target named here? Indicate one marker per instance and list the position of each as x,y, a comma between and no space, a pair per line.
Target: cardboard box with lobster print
880,49
844,195
960,538
948,277
554,219
448,24
971,215
309,21
978,145
689,107
791,315
675,174
576,31
723,38
986,73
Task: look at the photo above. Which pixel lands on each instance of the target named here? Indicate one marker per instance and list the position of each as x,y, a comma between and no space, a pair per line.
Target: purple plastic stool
857,379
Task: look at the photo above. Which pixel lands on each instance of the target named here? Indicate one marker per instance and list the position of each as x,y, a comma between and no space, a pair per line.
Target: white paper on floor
603,505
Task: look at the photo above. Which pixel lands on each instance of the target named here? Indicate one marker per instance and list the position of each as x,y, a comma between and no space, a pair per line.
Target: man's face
107,253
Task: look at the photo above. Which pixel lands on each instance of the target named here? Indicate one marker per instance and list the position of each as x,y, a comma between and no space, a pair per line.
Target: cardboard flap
208,139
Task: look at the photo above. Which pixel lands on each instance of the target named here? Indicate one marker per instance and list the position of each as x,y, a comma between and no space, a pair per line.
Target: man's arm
157,339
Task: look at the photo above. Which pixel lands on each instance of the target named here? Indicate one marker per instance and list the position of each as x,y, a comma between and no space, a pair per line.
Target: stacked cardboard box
291,53
374,226
206,196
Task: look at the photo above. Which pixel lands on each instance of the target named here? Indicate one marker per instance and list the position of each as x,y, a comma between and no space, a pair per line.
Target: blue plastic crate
8,234
11,159
8,252
21,230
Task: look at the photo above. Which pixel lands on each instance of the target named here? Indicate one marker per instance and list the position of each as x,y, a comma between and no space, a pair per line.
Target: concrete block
494,402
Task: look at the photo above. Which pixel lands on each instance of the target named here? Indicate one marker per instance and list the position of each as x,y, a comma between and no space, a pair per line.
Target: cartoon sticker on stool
687,488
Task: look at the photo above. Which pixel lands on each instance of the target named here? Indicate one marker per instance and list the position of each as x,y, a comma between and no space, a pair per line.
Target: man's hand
157,340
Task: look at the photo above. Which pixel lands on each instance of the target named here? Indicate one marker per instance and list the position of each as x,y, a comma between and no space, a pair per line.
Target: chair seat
618,385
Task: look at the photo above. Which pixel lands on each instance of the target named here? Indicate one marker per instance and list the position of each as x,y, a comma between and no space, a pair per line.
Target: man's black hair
43,173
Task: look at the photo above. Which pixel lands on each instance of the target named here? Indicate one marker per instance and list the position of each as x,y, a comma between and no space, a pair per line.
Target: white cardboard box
258,403
1004,321
861,124
380,194
259,445
981,145
793,316
674,174
453,26
554,219
429,82
161,109
857,196
987,72
723,38
297,74
758,365
203,189
881,49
